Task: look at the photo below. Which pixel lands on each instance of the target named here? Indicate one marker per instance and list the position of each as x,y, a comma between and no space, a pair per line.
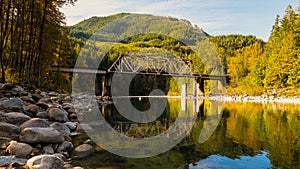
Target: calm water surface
246,135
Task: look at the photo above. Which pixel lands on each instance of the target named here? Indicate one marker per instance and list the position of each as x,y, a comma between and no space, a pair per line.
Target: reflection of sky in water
244,162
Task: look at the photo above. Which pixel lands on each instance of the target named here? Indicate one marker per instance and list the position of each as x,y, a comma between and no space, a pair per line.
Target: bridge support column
196,90
200,82
106,85
183,97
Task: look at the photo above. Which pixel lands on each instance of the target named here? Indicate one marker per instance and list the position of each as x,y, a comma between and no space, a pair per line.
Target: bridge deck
103,72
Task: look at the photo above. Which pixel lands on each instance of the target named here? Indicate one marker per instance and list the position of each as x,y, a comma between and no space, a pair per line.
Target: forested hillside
33,38
254,66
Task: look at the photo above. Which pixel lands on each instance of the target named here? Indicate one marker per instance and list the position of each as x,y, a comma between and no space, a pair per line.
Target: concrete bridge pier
183,97
200,82
106,85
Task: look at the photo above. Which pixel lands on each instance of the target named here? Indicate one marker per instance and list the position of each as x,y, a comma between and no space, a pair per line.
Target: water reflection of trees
270,127
244,130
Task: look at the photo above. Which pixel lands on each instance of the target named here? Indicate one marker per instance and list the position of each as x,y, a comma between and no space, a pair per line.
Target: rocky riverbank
36,129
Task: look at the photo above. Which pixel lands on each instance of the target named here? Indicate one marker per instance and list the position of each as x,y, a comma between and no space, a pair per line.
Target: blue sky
216,17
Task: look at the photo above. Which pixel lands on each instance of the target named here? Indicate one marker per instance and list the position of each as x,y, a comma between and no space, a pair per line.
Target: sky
216,17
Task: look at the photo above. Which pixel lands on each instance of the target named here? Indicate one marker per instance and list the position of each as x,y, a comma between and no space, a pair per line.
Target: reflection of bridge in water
194,109
151,66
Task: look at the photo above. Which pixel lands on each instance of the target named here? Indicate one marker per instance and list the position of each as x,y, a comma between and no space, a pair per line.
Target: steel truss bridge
147,65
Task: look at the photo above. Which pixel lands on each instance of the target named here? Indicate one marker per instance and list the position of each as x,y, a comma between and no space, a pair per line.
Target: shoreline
256,99
226,98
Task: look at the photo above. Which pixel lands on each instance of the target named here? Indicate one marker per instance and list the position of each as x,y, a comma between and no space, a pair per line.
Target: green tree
282,53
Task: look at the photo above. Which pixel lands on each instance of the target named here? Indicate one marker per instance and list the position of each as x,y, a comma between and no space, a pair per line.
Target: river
224,135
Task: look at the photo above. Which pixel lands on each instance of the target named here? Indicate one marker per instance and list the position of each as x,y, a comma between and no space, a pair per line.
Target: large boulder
9,130
14,102
19,149
45,162
57,114
16,118
35,122
41,135
83,150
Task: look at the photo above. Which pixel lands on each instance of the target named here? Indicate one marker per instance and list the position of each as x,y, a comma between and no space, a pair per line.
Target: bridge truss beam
152,66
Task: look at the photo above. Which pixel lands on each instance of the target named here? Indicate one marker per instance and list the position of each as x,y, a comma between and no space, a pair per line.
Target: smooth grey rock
71,125
19,149
66,146
41,135
7,104
35,122
43,105
27,99
42,114
45,162
33,108
57,114
16,118
48,149
83,150
9,130
61,127
7,160
16,109
84,128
